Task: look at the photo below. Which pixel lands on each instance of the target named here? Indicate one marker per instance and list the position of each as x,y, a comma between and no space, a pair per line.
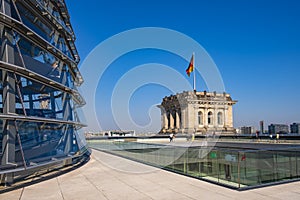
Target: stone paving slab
110,177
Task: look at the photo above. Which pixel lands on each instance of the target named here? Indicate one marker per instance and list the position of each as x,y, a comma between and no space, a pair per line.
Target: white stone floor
109,177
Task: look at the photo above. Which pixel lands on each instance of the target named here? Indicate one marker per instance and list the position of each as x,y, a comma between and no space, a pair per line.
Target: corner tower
197,112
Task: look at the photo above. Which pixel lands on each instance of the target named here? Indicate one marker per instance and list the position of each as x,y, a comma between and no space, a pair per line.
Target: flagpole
194,83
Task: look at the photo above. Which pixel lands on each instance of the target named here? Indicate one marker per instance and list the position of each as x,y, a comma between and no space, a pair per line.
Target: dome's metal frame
39,76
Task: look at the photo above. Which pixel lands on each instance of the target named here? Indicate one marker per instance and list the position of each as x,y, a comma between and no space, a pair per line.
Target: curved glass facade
39,125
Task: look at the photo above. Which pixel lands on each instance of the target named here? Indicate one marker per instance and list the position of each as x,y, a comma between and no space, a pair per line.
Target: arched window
220,118
210,118
200,118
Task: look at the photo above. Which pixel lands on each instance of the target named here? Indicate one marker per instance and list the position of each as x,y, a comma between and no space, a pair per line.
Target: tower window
220,118
200,118
210,118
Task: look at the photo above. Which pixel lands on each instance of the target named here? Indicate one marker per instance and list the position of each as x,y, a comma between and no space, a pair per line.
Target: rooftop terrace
97,180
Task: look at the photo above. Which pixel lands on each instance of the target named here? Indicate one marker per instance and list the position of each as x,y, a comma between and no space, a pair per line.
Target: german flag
243,158
190,67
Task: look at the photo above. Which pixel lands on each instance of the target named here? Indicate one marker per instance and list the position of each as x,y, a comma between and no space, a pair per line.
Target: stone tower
197,112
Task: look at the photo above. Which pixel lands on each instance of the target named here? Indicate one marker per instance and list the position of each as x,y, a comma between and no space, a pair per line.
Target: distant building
238,131
120,133
261,126
197,112
278,128
295,128
247,130
110,133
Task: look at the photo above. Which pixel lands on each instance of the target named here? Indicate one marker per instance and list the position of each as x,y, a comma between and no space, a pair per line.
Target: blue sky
255,45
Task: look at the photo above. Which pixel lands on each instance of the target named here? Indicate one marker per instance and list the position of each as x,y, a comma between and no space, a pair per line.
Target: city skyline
254,44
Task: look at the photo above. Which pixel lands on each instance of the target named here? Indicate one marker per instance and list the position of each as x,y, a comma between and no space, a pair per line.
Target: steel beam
9,99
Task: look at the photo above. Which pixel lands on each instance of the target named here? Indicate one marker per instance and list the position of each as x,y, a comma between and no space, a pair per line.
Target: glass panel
43,63
43,30
42,142
233,167
34,23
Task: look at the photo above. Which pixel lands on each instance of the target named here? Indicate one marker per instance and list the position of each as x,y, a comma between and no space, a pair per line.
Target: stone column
215,115
190,118
164,119
205,117
225,116
229,117
177,120
183,119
